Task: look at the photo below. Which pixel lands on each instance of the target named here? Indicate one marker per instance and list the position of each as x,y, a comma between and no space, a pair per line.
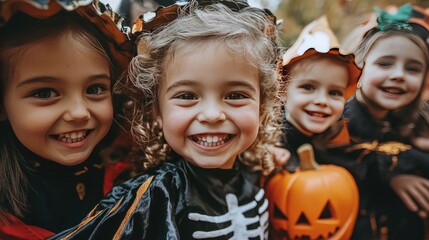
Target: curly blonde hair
242,34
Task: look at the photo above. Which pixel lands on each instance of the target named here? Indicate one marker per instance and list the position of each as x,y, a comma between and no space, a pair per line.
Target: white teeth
211,141
394,91
317,114
72,137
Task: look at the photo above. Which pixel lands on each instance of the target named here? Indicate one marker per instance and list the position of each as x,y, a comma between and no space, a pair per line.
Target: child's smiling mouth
393,90
211,140
72,137
317,114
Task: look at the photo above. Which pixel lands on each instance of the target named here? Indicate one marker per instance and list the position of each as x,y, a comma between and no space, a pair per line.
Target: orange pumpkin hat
119,45
318,38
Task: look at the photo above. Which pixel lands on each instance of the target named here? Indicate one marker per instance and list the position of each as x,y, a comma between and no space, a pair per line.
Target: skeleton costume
177,200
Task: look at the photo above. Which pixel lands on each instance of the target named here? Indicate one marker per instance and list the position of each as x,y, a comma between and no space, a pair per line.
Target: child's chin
317,130
71,159
213,164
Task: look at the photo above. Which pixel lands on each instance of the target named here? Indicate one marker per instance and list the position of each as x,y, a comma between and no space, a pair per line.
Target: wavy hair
241,33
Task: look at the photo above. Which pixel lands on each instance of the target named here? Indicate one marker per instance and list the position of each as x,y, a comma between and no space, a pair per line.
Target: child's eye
384,64
44,93
96,89
186,96
336,93
308,87
236,95
414,69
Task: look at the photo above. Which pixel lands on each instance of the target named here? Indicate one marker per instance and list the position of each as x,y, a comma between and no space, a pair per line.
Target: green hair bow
398,21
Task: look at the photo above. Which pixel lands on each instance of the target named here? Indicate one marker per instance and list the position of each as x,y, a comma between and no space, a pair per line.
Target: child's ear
158,120
156,113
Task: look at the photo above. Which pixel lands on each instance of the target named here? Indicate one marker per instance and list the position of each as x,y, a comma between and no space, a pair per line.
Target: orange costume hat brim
165,15
318,38
119,45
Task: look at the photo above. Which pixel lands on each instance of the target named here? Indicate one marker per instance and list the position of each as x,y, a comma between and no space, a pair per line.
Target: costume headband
152,21
406,17
397,21
97,13
318,38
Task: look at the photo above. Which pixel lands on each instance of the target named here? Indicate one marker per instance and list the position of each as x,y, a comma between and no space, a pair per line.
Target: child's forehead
394,36
319,67
396,44
192,45
308,64
209,48
67,40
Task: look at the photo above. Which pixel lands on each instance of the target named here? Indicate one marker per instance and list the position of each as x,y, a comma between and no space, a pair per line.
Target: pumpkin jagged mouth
320,237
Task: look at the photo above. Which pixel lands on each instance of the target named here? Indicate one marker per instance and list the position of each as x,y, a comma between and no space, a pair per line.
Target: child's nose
398,73
211,113
321,99
77,110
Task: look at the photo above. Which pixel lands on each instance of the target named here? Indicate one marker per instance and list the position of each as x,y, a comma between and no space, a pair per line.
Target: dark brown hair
16,37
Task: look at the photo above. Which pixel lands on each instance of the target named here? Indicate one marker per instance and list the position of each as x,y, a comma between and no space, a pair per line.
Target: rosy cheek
249,120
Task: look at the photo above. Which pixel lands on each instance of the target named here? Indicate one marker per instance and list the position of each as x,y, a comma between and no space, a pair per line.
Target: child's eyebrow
48,79
315,81
412,60
232,83
417,62
182,83
41,79
241,83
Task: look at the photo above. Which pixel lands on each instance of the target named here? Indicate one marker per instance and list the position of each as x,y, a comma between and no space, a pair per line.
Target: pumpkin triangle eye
278,213
326,213
302,220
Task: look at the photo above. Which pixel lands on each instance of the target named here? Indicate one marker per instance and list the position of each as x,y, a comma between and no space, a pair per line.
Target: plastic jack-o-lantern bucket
315,202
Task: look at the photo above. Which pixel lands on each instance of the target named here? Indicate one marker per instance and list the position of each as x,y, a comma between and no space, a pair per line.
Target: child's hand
414,192
280,155
422,143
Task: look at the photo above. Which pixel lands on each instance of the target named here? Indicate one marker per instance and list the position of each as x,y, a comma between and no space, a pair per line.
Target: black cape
373,168
60,196
180,201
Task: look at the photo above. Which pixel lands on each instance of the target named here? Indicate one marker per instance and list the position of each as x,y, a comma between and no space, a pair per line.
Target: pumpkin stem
306,156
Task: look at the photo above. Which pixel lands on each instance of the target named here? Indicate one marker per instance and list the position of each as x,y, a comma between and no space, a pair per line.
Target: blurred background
343,15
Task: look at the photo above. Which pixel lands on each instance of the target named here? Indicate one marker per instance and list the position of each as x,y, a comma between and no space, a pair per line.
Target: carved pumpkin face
316,204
